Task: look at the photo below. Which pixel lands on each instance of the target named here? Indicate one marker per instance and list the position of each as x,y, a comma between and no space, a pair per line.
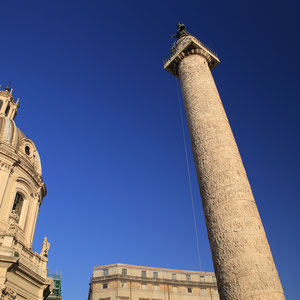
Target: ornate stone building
129,282
23,272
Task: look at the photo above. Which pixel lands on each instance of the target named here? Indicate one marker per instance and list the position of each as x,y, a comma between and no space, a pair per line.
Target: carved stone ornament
13,220
7,294
38,193
5,167
45,248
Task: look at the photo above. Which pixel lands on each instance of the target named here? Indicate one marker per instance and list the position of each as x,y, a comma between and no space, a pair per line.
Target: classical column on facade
241,254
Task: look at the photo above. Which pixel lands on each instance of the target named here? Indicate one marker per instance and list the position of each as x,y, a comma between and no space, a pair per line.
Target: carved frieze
13,221
5,167
241,254
7,294
23,164
10,154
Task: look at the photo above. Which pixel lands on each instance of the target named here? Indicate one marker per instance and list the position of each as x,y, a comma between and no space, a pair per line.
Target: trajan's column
241,254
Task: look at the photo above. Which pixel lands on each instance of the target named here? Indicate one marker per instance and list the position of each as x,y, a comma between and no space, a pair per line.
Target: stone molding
208,284
185,46
27,260
194,51
19,161
5,167
10,154
8,294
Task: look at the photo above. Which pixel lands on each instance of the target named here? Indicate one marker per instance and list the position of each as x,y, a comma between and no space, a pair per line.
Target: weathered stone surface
23,272
168,284
241,254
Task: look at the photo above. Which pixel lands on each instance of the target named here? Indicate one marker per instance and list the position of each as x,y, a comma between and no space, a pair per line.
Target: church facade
23,272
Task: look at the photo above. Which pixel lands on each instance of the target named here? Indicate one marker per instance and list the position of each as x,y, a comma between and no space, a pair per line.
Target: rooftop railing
207,48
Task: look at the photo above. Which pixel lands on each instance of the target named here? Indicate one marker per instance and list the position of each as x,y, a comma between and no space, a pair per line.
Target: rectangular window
202,279
189,290
155,274
155,287
105,286
124,271
144,286
203,291
143,273
214,278
174,276
105,272
123,284
216,291
188,277
174,289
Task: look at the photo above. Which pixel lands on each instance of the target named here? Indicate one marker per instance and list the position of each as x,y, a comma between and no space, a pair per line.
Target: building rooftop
150,268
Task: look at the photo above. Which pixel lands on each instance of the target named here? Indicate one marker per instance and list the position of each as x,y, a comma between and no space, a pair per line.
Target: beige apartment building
129,282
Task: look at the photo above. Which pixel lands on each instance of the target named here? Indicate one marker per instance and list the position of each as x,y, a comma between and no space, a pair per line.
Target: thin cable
189,173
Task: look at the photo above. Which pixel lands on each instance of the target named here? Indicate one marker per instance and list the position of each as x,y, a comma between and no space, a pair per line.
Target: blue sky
104,116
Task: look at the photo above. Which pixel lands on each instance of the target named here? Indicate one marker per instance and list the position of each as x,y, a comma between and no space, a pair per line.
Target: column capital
188,45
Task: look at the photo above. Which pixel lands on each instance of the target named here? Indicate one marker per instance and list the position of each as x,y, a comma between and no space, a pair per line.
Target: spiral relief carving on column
241,254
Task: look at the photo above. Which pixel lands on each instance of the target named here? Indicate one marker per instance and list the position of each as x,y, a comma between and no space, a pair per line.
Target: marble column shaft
241,254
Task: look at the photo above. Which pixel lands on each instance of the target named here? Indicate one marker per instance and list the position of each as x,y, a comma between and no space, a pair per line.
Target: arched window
1,103
17,207
7,110
27,150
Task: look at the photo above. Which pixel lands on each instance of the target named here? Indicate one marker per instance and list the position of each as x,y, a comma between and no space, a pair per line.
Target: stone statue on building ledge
45,248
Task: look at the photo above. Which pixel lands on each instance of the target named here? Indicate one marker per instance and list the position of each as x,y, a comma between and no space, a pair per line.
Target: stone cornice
18,265
8,259
29,274
10,154
186,46
5,167
99,279
23,248
23,164
196,51
154,269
